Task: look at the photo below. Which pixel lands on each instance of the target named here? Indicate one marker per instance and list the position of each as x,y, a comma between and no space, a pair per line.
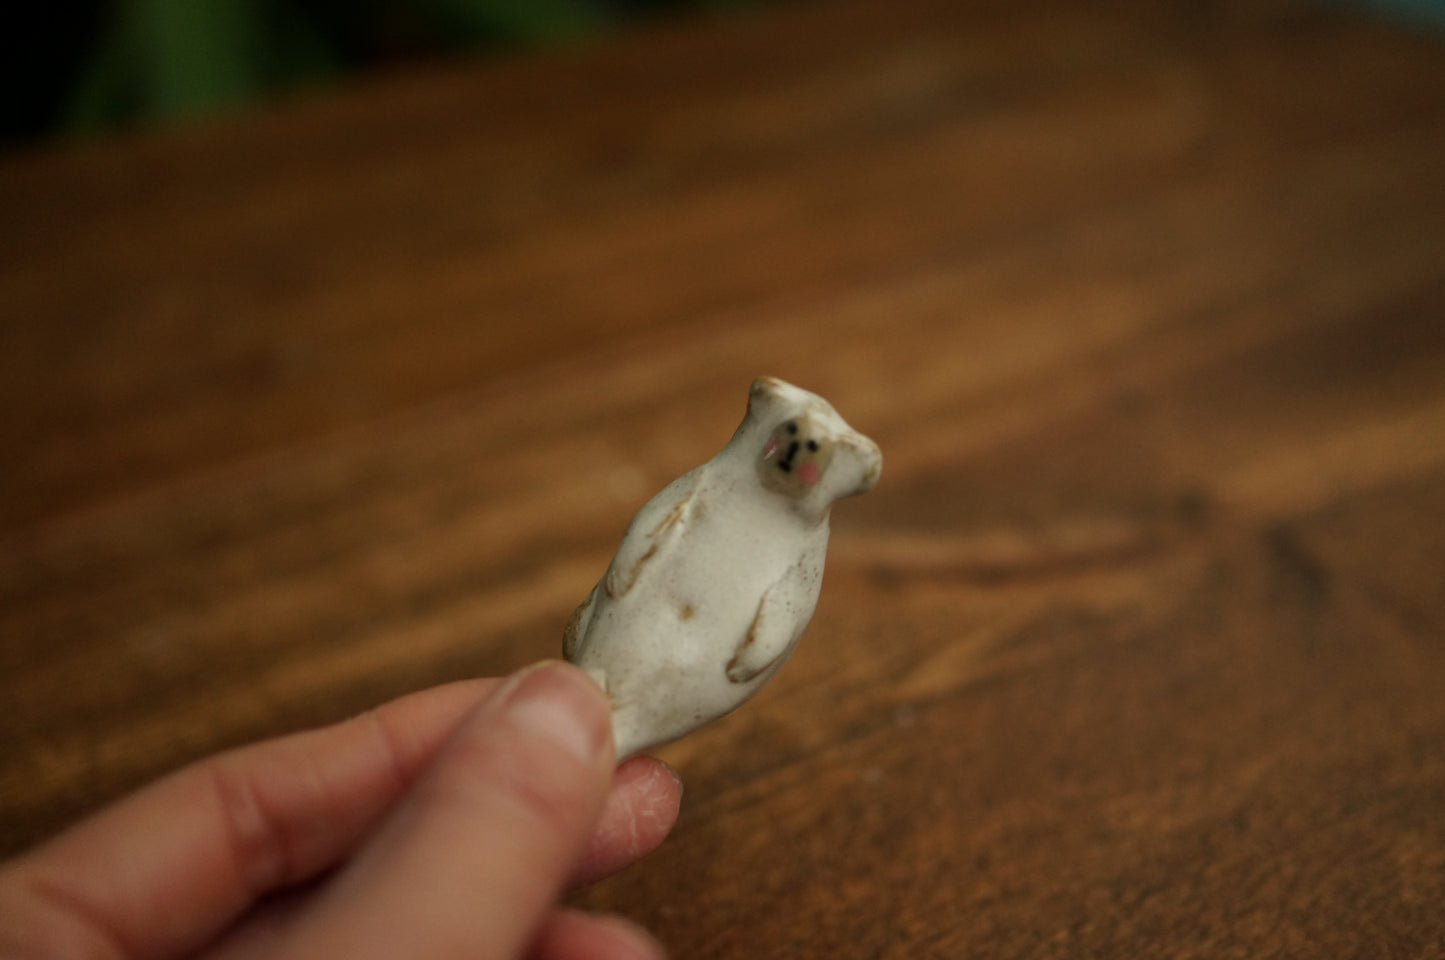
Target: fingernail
561,704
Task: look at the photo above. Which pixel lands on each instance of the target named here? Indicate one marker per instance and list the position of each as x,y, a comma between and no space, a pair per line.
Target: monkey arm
659,524
782,614
576,630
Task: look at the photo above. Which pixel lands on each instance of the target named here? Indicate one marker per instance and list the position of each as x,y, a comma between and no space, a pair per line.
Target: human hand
444,824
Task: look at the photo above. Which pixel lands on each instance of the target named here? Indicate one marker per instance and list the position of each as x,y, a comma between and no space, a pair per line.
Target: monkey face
795,457
808,453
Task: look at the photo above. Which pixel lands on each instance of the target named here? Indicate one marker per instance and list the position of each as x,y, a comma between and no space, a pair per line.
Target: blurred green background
77,67
83,66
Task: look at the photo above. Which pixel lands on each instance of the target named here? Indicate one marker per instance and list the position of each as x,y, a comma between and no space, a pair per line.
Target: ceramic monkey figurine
719,573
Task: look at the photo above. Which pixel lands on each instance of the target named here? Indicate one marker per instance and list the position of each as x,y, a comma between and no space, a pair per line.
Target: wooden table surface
1137,649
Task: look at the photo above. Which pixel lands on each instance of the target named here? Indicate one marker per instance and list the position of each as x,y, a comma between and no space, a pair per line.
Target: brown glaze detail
748,640
686,612
673,516
637,569
765,386
574,622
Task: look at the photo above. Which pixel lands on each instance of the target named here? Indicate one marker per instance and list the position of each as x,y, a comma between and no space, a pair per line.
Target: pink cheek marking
769,449
809,473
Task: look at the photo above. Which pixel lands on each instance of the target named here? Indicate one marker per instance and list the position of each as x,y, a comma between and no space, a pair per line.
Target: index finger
160,872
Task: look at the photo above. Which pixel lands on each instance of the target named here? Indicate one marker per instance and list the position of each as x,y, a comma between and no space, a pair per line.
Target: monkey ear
764,392
864,466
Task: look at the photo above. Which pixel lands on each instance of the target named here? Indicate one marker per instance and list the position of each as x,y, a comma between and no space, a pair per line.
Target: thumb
474,858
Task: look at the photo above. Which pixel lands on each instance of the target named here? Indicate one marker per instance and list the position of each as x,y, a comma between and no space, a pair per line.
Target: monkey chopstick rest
718,574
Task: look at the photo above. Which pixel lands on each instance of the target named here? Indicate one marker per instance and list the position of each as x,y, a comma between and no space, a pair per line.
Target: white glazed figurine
718,574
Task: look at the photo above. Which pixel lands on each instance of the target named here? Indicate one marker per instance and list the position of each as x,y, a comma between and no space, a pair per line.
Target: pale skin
442,825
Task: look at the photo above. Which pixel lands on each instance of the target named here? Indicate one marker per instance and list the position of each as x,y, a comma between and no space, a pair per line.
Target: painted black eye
813,445
792,427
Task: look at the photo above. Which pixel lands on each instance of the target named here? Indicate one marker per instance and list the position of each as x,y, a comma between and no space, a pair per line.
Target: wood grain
1136,650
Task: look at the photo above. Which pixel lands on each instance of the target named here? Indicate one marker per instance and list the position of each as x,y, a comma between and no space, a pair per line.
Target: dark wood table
1137,650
